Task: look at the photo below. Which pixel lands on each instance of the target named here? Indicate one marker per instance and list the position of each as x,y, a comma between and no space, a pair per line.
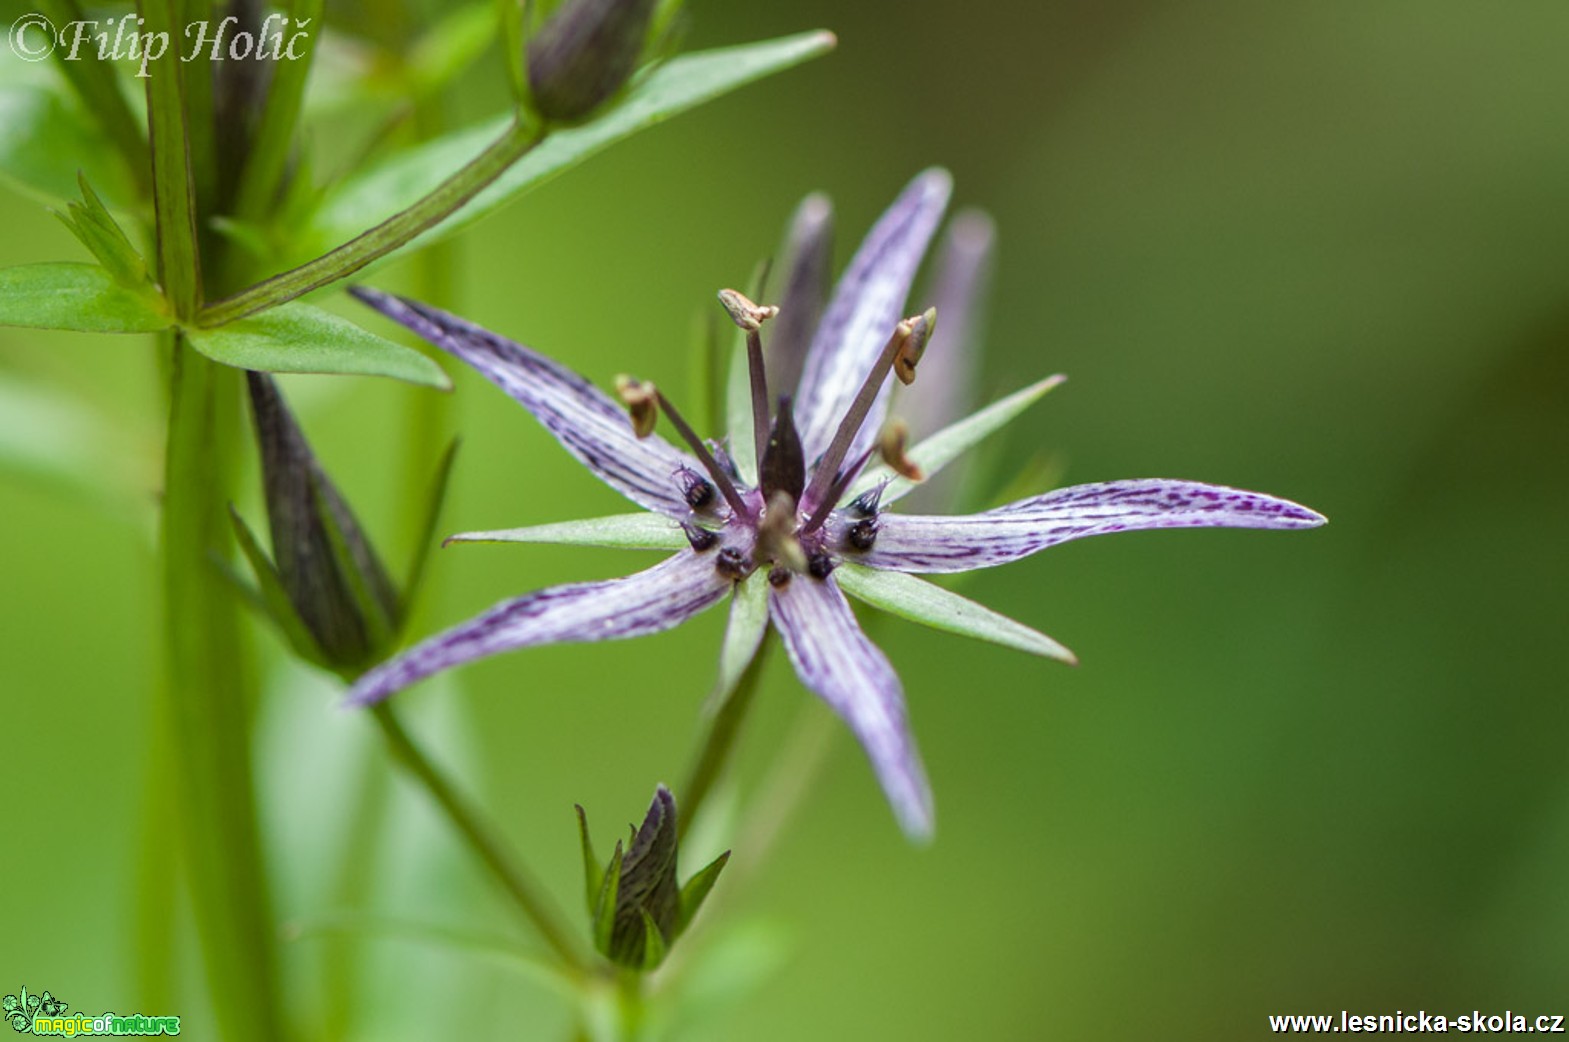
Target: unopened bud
743,312
584,53
891,444
916,333
642,401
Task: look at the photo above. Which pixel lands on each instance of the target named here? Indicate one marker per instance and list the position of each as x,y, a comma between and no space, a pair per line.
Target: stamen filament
715,471
754,363
856,415
845,478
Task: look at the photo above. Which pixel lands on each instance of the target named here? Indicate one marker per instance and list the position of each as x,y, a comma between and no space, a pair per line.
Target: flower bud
339,592
637,905
583,54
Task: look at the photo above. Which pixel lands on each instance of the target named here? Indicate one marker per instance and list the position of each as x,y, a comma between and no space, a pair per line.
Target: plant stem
174,204
718,743
513,877
391,234
207,703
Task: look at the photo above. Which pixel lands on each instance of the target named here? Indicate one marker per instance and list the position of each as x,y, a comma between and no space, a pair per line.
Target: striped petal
835,660
583,418
866,305
649,601
913,543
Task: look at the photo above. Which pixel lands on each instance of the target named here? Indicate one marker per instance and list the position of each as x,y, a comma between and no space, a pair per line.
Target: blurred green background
1315,250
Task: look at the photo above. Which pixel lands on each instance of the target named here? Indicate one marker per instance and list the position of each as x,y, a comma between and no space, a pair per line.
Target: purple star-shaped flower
788,518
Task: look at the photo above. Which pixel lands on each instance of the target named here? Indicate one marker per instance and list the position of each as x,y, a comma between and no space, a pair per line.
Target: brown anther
820,565
891,443
642,401
743,312
915,333
779,577
733,564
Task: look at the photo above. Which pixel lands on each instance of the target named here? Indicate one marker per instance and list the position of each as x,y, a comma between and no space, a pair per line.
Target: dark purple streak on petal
835,660
866,305
591,425
915,543
649,601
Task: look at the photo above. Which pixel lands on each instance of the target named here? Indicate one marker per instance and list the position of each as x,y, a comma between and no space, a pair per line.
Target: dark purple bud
583,54
329,570
648,886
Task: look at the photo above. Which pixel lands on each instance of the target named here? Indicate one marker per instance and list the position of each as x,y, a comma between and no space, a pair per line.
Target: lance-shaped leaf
834,659
643,531
927,603
94,227
593,875
916,543
81,297
604,917
682,83
936,452
299,338
697,889
645,602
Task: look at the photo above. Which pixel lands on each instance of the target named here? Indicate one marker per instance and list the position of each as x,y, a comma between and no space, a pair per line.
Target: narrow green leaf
46,138
927,603
653,943
640,531
367,200
427,529
93,226
696,890
593,875
81,297
743,636
299,338
274,598
937,451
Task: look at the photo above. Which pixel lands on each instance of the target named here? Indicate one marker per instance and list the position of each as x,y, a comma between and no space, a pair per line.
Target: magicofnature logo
45,1015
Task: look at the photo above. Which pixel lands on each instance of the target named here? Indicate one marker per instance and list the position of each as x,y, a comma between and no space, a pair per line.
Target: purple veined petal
803,294
865,307
645,602
583,418
915,543
841,666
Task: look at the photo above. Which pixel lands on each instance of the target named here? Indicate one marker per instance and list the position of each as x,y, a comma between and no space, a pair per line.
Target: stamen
644,400
910,355
700,538
841,482
750,317
733,564
904,334
697,490
820,565
862,535
891,442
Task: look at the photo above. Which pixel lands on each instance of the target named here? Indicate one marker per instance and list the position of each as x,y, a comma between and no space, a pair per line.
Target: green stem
179,261
207,700
268,156
395,232
718,743
518,883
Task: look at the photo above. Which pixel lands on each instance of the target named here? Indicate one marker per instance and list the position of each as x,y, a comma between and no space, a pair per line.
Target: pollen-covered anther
642,401
776,538
743,312
915,333
891,444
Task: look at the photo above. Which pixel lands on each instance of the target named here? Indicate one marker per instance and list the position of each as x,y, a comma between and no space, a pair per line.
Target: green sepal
274,598
299,338
380,618
639,531
654,947
696,890
593,875
427,530
85,298
605,906
937,451
929,604
94,227
743,636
